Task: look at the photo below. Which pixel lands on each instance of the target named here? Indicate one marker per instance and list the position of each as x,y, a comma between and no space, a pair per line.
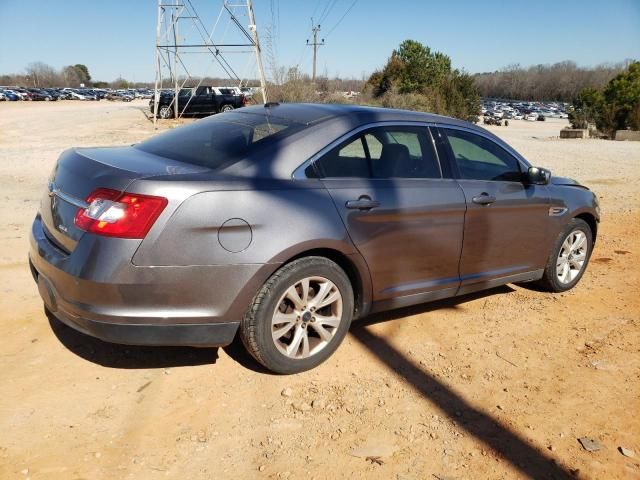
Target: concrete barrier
574,133
628,135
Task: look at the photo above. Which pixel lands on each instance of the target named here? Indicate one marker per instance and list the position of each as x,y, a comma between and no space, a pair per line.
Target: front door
403,217
506,224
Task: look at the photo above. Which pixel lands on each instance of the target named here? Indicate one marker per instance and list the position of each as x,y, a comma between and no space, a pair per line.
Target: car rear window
221,140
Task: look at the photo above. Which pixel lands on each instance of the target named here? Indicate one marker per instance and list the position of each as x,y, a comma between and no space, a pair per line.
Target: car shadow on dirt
504,442
112,355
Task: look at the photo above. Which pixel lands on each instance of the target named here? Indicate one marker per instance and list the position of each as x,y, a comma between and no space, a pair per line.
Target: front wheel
300,316
226,108
569,257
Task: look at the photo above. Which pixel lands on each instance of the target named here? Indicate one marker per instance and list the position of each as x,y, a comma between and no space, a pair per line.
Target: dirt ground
497,385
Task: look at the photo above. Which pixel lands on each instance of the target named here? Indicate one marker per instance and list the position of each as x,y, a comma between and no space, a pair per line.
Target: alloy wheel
572,256
165,112
306,317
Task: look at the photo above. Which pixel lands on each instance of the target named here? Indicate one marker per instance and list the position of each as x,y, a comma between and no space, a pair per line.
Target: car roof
312,113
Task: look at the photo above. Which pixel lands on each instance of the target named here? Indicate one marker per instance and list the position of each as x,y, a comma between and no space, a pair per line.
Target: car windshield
219,141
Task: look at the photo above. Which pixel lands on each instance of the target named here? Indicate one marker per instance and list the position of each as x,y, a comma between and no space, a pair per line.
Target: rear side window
479,158
383,152
219,141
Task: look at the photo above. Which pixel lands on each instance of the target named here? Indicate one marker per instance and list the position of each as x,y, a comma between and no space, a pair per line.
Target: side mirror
538,176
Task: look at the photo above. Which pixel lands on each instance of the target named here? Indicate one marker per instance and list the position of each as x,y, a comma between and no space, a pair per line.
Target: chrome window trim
298,173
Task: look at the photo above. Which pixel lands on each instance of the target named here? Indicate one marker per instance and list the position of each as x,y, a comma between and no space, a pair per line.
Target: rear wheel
300,316
165,112
226,108
569,257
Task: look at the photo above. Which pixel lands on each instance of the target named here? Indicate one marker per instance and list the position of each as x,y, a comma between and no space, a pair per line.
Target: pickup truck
201,101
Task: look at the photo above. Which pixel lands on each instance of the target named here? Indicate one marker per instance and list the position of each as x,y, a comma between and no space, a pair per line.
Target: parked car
39,95
489,120
73,95
531,117
2,97
285,222
24,94
201,101
88,94
14,93
124,97
541,118
10,96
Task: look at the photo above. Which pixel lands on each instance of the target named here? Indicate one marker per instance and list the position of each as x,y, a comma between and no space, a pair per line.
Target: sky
117,37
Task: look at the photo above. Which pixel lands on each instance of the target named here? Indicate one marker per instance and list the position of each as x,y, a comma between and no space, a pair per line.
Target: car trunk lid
79,172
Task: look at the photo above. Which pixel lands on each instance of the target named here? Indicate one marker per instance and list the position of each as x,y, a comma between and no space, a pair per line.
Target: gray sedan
282,223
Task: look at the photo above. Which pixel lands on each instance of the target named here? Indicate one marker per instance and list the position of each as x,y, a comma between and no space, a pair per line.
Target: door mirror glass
538,176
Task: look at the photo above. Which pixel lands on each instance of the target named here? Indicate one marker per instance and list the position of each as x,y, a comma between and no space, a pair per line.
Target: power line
342,18
316,9
327,10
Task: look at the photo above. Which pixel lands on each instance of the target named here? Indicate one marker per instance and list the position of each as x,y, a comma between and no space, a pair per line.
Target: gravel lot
495,385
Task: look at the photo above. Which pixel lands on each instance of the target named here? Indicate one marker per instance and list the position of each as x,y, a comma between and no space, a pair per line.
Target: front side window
479,158
383,152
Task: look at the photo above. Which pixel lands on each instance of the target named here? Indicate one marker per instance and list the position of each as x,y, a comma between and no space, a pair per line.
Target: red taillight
116,214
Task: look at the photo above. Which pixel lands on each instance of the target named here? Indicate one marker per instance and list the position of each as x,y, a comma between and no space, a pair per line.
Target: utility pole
254,33
315,29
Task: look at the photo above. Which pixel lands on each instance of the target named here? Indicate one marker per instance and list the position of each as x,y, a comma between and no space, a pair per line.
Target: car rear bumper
116,301
193,335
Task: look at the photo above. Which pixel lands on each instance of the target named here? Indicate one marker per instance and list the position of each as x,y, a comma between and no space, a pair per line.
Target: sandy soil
497,385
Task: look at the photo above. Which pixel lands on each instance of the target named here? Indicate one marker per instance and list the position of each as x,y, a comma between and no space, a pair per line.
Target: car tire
226,108
165,112
552,279
307,341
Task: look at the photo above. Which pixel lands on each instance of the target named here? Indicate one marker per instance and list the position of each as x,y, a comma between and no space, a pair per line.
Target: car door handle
484,199
363,203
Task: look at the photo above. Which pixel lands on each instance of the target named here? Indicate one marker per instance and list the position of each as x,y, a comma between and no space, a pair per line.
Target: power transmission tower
254,31
315,29
174,49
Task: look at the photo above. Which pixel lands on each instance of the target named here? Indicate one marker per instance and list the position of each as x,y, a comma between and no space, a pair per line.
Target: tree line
560,82
615,106
41,75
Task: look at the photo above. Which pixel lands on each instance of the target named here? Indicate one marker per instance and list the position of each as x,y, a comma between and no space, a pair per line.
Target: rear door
198,102
402,215
507,219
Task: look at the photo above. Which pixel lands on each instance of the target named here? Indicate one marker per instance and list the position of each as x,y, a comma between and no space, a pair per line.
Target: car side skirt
415,299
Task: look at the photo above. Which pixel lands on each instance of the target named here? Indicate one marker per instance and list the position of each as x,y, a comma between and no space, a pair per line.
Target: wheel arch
590,220
355,268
